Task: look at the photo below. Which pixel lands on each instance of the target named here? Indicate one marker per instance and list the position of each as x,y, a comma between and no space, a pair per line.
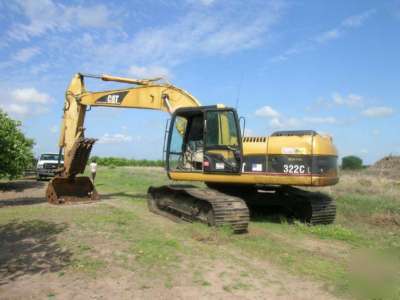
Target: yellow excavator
206,144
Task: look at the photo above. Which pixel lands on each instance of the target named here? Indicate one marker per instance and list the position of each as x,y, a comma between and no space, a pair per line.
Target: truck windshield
50,157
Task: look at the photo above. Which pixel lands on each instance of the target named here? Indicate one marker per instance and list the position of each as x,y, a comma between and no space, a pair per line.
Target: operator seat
194,152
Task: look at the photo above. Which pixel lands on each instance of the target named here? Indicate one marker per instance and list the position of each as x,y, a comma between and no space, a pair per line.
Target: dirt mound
389,166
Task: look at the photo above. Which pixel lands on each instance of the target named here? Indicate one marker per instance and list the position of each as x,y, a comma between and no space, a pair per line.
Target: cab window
221,129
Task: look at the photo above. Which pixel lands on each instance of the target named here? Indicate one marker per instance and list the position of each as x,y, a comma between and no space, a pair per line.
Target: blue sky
332,66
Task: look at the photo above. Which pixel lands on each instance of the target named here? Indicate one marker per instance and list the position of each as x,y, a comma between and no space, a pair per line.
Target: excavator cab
204,140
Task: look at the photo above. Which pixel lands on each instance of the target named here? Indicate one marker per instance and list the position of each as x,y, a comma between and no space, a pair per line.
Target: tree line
123,162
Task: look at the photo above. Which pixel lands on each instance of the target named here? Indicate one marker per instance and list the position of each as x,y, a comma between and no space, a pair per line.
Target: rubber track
321,207
227,210
311,207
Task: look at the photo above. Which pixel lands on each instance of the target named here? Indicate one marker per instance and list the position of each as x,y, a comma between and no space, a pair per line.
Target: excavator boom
144,94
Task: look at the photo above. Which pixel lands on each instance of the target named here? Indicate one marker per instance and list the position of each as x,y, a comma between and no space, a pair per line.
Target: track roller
189,203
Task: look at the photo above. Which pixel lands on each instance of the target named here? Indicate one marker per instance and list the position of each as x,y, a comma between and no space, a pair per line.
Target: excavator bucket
67,187
69,190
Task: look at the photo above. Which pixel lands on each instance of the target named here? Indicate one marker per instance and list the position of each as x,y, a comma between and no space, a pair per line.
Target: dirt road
40,257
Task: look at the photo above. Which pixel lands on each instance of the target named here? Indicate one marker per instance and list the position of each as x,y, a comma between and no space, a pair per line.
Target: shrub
121,161
352,163
16,150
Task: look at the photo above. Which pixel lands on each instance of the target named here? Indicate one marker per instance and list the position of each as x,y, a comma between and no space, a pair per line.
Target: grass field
116,248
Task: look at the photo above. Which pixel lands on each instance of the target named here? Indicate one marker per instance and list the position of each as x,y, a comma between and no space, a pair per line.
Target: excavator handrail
106,77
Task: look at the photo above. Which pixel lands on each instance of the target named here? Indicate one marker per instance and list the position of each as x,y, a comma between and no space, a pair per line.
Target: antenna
239,90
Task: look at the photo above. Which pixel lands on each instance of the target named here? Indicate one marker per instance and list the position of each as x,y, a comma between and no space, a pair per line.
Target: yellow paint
145,97
148,94
246,178
287,145
145,94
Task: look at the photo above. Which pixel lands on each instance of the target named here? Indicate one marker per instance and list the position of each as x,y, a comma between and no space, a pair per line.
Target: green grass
121,233
367,204
156,252
89,265
335,232
130,182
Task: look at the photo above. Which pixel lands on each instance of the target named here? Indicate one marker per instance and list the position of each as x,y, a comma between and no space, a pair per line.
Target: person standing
93,169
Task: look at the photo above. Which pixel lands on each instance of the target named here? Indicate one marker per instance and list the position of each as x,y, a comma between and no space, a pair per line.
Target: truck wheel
39,178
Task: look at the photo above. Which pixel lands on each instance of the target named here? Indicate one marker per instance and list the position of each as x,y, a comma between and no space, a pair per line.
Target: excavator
203,144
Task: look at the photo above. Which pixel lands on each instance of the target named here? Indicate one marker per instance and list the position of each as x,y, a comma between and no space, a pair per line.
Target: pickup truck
47,165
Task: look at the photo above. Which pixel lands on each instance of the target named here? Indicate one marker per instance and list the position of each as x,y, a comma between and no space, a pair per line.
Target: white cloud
267,111
148,71
116,138
309,44
378,112
97,16
285,123
328,36
54,129
39,68
320,120
22,56
351,100
279,121
194,31
26,54
376,132
357,20
15,109
45,15
30,95
348,23
275,119
200,32
207,2
22,102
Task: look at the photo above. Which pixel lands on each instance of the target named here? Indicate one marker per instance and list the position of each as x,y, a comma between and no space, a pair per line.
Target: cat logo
112,99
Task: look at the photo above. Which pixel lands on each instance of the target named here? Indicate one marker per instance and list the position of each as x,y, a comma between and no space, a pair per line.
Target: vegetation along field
116,249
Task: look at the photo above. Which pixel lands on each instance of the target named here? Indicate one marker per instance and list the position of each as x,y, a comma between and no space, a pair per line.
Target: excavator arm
144,94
